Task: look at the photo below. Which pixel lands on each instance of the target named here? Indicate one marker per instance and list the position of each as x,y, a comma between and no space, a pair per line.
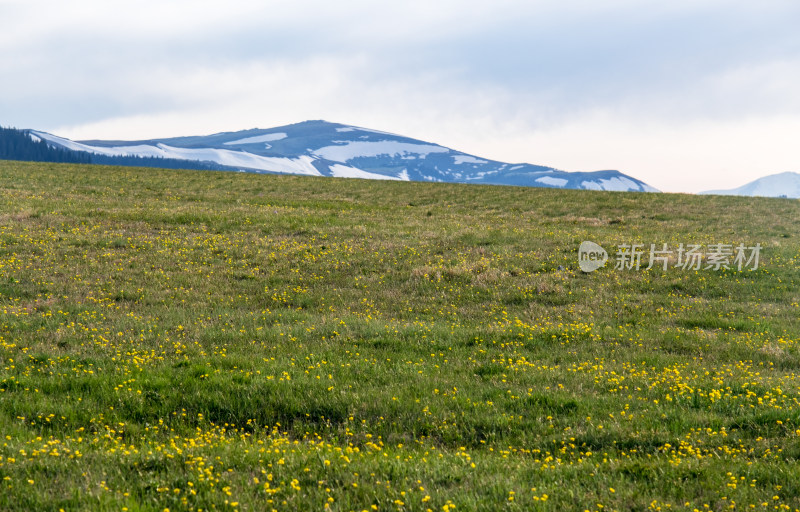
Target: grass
217,341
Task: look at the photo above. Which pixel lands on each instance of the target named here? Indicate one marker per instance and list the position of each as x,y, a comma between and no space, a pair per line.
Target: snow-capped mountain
320,148
785,184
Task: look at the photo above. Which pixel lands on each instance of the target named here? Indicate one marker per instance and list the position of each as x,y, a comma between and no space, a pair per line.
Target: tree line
18,144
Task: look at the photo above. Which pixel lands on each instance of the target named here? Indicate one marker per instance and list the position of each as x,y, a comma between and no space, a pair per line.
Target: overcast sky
686,95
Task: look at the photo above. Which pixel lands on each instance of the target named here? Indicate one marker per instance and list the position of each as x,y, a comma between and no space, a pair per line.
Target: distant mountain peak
323,148
784,184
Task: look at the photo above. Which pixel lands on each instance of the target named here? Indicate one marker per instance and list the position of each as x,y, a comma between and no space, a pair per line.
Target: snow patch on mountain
549,180
345,171
299,165
260,138
619,184
354,149
467,159
238,159
785,184
62,142
616,184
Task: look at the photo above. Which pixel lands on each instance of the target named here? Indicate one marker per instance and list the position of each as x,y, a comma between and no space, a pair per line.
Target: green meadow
190,340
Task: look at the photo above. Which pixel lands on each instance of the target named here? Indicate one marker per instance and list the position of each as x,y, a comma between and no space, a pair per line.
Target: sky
686,95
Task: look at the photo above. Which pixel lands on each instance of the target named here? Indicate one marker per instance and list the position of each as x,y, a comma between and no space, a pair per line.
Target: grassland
215,341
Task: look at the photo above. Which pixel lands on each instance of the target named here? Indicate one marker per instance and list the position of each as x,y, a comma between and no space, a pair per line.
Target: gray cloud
507,66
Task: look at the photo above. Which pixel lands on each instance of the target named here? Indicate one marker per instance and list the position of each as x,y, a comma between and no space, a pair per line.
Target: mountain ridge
784,184
322,148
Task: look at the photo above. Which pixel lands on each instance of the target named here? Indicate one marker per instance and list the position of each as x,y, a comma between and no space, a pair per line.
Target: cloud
487,78
697,155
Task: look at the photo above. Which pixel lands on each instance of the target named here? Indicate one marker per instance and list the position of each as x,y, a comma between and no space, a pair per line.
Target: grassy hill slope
190,340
